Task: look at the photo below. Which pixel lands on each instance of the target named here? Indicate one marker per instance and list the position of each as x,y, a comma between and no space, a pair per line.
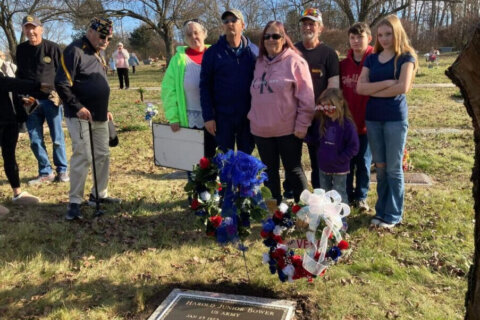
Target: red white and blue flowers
226,208
320,206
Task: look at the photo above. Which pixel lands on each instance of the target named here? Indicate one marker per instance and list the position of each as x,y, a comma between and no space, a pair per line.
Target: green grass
433,73
123,265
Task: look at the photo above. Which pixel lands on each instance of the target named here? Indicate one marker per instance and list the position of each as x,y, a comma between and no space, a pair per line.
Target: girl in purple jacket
337,143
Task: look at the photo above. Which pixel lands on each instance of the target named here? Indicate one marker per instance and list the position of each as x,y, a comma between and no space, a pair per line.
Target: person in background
10,116
121,57
83,86
225,78
359,37
38,59
180,85
133,61
282,108
337,143
112,66
8,67
387,75
324,70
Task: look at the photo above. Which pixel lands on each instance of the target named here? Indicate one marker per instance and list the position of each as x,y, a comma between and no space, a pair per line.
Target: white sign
179,150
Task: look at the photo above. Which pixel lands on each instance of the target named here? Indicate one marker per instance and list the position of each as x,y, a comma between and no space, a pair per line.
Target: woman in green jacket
181,84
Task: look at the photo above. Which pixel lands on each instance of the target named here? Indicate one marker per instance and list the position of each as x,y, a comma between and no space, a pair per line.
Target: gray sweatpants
81,159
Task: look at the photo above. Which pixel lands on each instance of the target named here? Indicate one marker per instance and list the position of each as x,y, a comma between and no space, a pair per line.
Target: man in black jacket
39,59
82,84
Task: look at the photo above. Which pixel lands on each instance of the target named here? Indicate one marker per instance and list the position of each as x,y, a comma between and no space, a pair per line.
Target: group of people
120,61
275,96
279,95
46,82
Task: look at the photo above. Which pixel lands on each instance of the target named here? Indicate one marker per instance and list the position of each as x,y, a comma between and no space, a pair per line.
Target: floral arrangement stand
226,193
225,251
319,207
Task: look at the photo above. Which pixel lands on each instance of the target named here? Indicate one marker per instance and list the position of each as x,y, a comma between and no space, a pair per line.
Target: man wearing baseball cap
83,86
324,69
38,59
225,78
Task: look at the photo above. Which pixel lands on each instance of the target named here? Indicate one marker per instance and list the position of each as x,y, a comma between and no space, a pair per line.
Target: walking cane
98,212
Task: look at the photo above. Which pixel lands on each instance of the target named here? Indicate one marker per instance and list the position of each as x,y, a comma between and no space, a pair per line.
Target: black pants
312,151
133,69
289,149
123,74
210,145
8,142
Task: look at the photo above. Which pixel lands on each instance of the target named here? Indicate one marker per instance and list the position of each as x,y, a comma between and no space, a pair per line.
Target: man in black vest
38,59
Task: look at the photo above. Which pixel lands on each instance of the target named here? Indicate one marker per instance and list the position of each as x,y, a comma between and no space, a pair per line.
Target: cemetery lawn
124,264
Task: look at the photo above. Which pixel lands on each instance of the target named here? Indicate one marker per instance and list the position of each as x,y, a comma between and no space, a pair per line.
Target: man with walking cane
82,84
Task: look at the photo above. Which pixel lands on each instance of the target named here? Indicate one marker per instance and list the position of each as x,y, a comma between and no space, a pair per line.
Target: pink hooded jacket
282,96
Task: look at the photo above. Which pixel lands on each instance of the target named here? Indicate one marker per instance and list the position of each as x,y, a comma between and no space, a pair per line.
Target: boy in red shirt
359,36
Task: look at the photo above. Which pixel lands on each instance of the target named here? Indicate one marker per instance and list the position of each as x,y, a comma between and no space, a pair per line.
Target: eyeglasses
274,36
312,12
232,20
105,37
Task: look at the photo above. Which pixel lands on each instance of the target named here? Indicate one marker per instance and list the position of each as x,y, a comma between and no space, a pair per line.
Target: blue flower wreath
226,207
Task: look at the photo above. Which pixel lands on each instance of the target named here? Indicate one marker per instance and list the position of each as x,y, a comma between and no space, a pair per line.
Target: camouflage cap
102,25
234,12
31,20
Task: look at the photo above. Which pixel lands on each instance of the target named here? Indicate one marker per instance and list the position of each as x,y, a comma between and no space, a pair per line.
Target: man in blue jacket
225,78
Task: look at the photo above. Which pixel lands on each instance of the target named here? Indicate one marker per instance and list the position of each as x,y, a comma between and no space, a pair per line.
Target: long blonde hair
333,96
401,43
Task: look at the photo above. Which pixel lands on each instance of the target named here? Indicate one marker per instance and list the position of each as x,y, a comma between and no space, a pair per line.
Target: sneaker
363,206
73,212
375,222
92,201
386,225
62,177
25,198
42,179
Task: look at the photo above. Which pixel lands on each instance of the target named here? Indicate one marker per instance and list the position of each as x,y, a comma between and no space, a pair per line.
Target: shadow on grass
135,300
357,220
130,226
171,175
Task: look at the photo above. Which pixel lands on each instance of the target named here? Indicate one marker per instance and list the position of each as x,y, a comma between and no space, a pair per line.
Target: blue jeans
360,169
387,142
337,182
46,110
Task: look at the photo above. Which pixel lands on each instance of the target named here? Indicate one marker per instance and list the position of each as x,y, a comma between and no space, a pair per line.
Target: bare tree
466,75
162,16
12,11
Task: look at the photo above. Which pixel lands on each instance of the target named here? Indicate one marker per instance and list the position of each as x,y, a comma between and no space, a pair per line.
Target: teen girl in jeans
386,76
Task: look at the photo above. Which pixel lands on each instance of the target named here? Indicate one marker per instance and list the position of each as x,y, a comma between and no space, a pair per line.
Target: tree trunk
465,74
169,41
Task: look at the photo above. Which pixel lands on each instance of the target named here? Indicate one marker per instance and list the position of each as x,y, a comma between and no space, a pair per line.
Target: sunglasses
274,36
232,20
105,37
325,107
311,12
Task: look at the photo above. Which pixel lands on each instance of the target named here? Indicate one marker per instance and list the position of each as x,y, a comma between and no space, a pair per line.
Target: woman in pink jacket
282,108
